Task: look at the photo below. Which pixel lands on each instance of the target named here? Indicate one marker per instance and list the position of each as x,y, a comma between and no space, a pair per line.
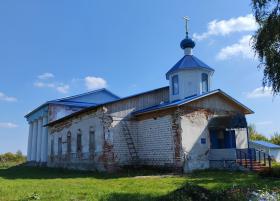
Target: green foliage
254,135
10,157
275,139
33,196
266,41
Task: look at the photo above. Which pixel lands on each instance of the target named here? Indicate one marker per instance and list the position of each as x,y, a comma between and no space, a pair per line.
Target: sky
53,49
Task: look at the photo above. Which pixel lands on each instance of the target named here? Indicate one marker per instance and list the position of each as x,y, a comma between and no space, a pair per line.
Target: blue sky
51,49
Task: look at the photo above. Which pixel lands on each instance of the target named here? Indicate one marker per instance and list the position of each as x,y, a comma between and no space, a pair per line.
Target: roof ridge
189,62
79,95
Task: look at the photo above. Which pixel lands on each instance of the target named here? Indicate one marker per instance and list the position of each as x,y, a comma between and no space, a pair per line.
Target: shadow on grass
129,197
187,192
26,172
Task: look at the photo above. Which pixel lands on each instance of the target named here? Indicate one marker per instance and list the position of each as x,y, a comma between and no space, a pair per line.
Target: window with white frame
175,85
204,81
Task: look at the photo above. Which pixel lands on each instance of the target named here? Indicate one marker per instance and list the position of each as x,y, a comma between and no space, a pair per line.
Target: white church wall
189,83
119,113
59,111
81,125
241,138
119,142
194,128
155,141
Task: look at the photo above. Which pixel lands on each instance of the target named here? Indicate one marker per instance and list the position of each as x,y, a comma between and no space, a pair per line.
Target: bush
10,157
275,139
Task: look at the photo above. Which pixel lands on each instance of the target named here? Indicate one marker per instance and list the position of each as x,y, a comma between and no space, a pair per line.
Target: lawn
27,183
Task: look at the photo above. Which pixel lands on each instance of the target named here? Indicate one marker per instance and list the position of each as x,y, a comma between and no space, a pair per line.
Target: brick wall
155,141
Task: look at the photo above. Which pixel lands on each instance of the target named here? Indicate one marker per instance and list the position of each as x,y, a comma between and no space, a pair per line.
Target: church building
184,126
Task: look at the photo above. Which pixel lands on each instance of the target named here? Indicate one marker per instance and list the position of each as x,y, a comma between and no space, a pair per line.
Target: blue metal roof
87,93
187,100
67,101
266,144
188,62
72,103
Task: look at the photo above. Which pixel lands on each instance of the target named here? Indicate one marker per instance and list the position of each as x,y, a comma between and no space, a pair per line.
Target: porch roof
232,121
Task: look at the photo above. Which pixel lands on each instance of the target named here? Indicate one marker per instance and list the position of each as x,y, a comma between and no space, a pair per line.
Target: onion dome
187,42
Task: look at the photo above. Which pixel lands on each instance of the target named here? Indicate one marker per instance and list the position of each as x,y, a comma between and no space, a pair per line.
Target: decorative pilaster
177,138
34,140
39,140
29,146
44,147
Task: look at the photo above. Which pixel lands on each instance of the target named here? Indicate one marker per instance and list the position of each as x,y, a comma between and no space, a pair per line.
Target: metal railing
248,157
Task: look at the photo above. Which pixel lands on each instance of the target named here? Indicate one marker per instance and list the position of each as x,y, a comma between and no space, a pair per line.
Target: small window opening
68,142
52,147
60,146
91,139
79,141
204,79
175,85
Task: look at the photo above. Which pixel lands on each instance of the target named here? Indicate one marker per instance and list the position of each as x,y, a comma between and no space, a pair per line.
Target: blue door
214,142
230,141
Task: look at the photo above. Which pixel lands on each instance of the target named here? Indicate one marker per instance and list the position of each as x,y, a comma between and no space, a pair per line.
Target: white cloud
92,82
4,97
241,48
63,88
260,92
60,87
42,83
225,27
45,76
8,125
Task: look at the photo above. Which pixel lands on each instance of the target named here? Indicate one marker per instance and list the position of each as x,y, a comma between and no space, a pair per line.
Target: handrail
251,155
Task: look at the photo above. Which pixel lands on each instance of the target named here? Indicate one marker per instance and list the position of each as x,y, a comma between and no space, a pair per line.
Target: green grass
27,183
275,165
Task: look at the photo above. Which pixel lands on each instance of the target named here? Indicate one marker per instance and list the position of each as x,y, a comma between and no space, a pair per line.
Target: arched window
91,139
60,146
204,80
175,85
68,142
52,147
79,141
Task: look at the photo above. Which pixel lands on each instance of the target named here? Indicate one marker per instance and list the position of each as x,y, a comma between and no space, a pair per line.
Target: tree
254,135
19,154
266,40
275,139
